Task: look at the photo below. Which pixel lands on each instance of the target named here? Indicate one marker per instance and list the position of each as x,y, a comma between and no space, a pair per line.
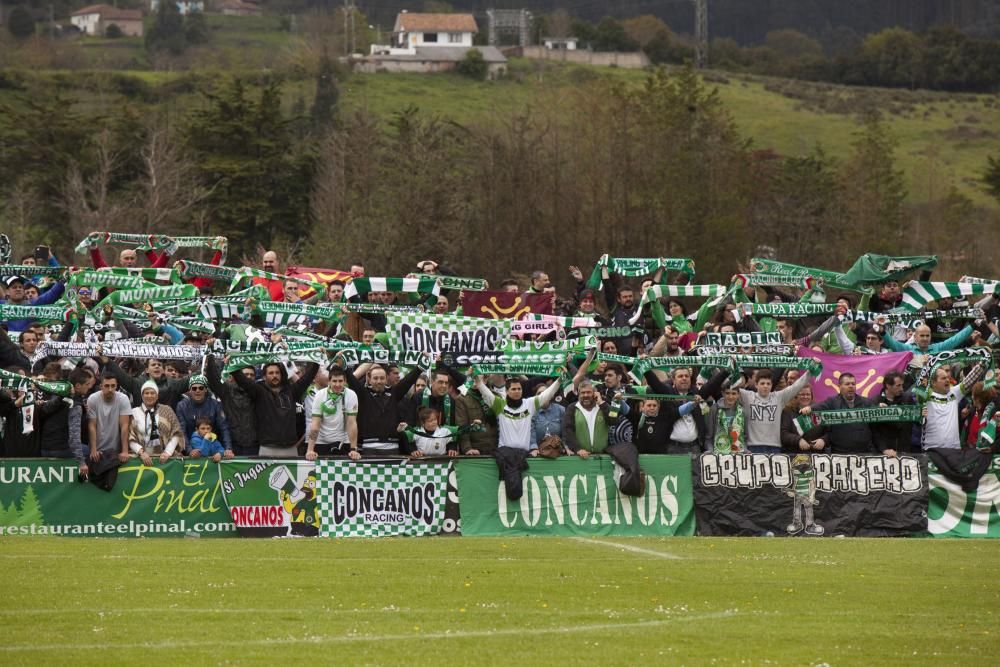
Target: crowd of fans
155,409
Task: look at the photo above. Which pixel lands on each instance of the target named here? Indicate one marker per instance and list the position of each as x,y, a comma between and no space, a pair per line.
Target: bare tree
169,188
87,199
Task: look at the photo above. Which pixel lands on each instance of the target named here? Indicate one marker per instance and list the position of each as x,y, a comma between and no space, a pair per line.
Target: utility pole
700,33
349,14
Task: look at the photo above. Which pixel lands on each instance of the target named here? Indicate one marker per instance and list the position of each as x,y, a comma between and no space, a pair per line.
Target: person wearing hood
198,404
155,429
274,404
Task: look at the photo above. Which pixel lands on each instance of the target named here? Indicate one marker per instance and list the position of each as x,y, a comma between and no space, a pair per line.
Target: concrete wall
637,60
373,66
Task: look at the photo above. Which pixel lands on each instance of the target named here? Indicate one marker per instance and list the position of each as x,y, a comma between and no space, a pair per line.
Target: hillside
943,137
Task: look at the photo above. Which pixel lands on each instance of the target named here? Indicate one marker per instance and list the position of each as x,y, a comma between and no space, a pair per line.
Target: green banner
953,512
570,496
270,498
43,497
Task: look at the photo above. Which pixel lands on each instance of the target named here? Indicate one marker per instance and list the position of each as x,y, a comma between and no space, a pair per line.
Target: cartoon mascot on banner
803,495
299,502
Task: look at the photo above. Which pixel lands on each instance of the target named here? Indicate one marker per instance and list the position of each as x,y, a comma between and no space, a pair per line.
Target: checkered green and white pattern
358,480
432,322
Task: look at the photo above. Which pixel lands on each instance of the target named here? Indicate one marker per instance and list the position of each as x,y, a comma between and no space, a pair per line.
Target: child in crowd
204,442
432,439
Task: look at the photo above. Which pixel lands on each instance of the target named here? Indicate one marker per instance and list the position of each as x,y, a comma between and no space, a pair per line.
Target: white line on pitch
629,547
347,639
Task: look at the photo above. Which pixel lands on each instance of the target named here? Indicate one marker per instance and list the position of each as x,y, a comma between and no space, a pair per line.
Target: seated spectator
206,443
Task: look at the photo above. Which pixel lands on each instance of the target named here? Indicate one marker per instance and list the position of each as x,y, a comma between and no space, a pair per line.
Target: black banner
810,495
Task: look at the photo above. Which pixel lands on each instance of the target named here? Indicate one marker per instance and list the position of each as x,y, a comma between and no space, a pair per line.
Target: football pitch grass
513,601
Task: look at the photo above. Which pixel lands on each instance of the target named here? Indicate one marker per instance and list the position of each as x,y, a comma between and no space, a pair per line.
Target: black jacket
894,435
847,438
380,413
236,403
52,422
276,409
670,410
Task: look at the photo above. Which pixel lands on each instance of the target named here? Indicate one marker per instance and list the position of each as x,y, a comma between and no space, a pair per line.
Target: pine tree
327,93
31,511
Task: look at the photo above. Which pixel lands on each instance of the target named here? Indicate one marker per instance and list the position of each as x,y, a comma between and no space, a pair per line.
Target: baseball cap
10,280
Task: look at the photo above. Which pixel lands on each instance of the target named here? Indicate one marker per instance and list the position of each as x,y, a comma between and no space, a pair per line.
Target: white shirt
333,428
941,425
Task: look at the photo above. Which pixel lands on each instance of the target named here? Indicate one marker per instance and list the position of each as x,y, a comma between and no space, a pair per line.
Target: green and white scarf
895,413
188,269
574,346
545,370
659,291
30,270
455,282
10,311
9,380
729,435
969,355
431,332
642,366
917,294
831,279
421,285
149,273
379,308
777,280
782,310
238,361
637,266
104,278
280,313
148,294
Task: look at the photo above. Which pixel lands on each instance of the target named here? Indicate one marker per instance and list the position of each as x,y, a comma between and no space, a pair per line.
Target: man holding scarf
334,420
379,408
846,438
275,407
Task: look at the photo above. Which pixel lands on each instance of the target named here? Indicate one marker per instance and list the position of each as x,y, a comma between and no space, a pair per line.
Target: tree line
653,170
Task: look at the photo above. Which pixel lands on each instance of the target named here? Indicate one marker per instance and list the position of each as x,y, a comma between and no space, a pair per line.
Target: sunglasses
197,389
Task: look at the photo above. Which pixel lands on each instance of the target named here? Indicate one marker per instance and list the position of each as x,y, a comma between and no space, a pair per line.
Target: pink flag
868,369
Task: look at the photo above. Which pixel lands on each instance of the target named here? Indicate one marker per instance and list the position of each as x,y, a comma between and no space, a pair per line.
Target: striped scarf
422,285
660,291
455,282
636,266
916,294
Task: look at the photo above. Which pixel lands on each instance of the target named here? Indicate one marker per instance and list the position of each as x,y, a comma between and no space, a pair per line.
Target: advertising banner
178,498
570,496
271,498
954,512
376,500
822,494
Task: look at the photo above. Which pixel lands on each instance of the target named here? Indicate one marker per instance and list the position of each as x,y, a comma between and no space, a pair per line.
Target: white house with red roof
96,19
